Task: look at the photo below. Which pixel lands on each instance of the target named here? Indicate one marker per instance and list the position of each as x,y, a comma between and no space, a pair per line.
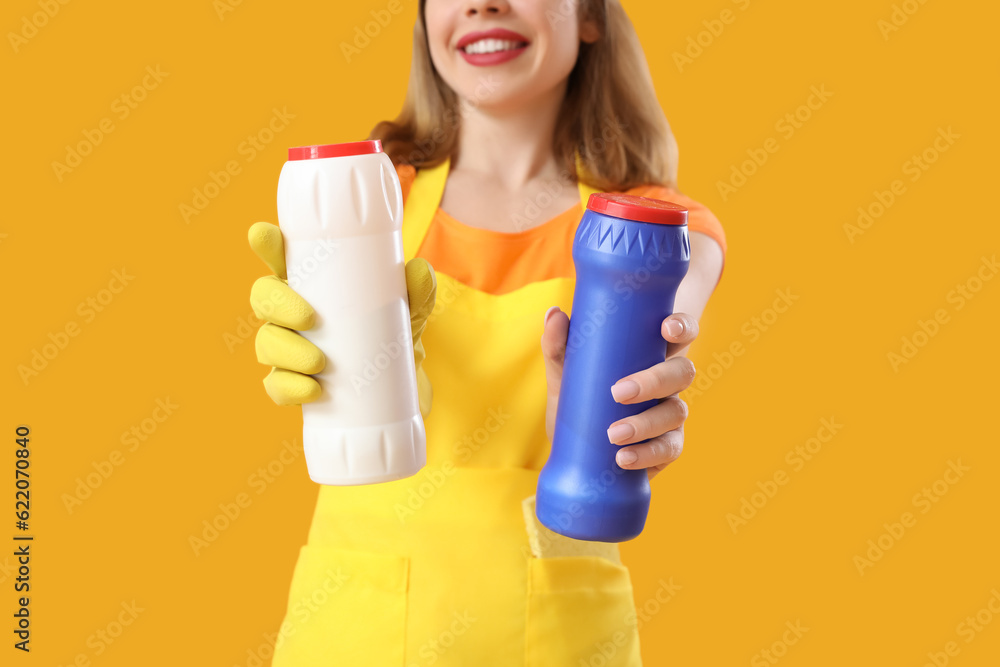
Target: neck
510,145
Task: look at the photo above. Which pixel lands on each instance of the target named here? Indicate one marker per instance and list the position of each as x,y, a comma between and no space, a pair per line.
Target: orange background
174,332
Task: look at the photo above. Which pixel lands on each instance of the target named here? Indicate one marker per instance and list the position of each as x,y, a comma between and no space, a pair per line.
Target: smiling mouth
492,46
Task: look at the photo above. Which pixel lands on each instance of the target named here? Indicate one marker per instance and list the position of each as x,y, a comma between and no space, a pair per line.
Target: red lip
495,33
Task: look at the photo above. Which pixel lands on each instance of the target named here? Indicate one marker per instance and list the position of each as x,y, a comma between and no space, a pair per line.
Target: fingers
679,330
655,454
291,388
662,417
421,290
274,301
665,378
555,329
265,240
284,348
425,392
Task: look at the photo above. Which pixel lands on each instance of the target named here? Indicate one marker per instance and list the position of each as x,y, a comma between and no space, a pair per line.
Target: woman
516,111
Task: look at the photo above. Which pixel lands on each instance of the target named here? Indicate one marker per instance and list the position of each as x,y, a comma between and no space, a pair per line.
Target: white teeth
491,46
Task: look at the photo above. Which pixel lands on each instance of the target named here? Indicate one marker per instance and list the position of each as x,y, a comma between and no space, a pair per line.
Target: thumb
555,329
266,242
421,292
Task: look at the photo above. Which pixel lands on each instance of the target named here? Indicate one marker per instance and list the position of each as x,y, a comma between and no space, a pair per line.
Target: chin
493,90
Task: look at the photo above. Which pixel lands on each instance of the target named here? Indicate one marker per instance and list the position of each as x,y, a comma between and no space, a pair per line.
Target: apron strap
421,204
585,190
425,196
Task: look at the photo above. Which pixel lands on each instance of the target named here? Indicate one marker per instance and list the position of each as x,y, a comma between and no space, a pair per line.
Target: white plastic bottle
340,210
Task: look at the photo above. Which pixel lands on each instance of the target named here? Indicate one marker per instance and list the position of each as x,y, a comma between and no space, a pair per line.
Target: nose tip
489,7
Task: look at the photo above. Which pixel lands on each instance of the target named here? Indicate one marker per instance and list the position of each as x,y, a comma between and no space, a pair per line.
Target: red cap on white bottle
334,150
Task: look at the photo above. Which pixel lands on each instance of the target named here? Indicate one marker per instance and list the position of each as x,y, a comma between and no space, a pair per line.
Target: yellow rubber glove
293,358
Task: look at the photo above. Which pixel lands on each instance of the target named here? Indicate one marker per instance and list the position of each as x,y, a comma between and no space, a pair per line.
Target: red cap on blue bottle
335,150
641,209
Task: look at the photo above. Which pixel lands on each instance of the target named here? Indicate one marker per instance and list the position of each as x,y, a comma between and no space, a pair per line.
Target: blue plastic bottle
630,255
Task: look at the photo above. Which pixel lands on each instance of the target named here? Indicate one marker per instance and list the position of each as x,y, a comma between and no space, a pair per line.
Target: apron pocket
344,608
580,612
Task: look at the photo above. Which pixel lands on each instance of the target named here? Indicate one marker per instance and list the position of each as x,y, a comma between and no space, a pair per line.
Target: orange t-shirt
500,262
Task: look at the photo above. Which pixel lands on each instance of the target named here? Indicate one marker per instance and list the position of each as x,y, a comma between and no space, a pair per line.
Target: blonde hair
610,115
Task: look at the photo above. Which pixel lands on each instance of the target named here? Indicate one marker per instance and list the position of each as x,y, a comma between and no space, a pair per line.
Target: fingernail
625,390
548,314
627,457
620,432
674,328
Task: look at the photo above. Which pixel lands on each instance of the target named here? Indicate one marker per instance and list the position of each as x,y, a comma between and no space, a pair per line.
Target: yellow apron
436,569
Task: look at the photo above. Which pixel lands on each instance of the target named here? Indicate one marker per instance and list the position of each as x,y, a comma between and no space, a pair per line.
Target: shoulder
696,210
406,174
700,217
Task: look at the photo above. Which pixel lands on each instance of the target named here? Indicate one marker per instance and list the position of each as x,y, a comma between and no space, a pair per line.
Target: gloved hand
293,358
